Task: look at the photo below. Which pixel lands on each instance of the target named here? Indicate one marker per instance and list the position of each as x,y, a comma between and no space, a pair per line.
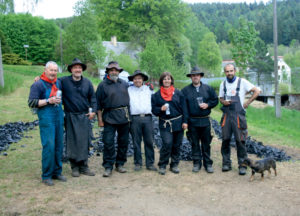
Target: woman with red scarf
169,105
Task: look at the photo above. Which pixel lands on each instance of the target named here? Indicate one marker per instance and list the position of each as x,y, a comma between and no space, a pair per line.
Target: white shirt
245,87
140,100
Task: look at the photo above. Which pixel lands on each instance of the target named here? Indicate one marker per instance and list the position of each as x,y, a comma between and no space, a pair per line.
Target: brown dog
260,166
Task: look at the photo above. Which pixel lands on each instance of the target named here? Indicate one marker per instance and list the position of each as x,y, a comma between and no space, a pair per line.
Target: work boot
242,171
48,182
162,171
107,172
60,178
86,171
174,169
209,169
121,169
152,168
75,172
196,168
137,167
226,168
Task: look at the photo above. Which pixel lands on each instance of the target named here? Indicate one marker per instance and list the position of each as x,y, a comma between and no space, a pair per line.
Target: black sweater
177,107
78,96
194,111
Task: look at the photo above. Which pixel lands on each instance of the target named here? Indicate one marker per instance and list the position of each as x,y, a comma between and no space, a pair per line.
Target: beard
114,77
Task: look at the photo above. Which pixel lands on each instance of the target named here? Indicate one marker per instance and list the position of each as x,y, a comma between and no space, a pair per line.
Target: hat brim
81,64
190,74
118,69
145,77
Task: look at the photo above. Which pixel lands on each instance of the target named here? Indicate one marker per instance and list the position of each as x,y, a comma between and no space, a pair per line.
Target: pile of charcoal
254,147
13,132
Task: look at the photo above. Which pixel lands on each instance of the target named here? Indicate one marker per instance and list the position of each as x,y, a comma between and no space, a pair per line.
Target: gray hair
230,64
51,63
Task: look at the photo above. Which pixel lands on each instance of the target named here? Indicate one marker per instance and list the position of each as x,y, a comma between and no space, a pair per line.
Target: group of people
125,109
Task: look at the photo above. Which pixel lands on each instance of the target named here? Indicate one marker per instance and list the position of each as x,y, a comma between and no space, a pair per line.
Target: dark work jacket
113,99
78,96
195,113
177,107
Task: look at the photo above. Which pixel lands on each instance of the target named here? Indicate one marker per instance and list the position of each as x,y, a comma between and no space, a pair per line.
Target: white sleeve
247,85
221,90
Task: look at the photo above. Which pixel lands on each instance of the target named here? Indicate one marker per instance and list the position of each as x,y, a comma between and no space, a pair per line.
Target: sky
50,9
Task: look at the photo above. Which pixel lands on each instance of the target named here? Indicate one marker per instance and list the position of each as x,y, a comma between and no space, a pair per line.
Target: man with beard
200,98
232,95
113,114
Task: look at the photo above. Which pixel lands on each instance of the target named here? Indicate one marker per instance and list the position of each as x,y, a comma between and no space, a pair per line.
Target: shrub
14,59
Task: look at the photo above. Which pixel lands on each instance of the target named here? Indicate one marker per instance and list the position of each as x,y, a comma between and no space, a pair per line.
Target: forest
170,31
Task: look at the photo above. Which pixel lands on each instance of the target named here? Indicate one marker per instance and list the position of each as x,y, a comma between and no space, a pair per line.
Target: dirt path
147,193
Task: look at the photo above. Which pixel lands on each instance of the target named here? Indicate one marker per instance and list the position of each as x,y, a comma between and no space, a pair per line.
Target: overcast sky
64,8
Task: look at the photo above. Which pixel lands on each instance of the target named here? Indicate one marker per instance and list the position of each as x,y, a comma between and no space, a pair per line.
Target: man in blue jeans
43,96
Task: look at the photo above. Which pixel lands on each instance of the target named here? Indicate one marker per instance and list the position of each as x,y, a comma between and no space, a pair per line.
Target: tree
209,55
81,36
262,63
156,58
195,31
6,6
1,68
243,40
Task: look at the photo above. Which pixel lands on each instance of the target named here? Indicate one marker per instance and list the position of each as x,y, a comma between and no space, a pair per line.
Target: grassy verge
265,127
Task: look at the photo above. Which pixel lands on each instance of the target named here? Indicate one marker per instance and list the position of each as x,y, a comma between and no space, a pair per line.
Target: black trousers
110,157
201,152
142,127
171,142
232,125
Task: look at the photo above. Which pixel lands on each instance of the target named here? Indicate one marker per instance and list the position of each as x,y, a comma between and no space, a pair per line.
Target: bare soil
147,193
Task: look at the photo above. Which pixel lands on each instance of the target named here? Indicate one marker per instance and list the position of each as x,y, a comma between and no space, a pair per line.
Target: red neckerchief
54,88
167,94
108,77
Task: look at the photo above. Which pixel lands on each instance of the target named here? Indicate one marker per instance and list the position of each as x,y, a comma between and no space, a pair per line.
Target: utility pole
61,51
277,94
1,69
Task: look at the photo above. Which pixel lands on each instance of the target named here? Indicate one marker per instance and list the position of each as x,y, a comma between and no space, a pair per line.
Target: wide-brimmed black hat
113,64
76,61
138,72
195,70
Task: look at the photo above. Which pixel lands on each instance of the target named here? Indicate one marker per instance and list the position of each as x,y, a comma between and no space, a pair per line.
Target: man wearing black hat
78,97
113,113
201,98
141,116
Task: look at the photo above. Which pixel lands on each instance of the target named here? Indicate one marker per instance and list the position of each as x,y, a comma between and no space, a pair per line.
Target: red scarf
54,88
167,94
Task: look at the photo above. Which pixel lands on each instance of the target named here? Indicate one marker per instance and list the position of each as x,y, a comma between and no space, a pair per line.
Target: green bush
216,85
14,59
283,88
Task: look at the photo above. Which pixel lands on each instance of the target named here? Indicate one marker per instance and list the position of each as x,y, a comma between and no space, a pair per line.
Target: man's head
138,78
51,70
196,75
76,68
113,70
229,71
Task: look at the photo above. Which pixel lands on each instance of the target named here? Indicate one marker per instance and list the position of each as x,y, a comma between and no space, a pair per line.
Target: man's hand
184,126
91,115
204,106
245,105
224,102
54,100
37,78
100,123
